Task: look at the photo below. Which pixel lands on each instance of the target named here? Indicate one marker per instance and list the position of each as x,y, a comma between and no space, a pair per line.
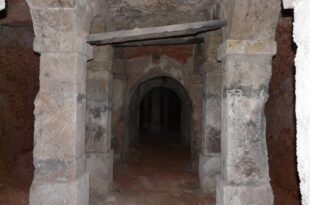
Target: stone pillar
244,176
166,110
60,30
209,159
146,112
59,136
155,109
99,156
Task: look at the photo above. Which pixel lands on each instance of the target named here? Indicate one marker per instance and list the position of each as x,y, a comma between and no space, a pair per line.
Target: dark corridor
160,116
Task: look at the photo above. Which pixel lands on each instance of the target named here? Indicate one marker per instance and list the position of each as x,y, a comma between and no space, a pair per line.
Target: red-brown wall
19,84
280,112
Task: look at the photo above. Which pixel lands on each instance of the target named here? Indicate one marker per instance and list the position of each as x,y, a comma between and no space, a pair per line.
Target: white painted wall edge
302,62
289,4
2,4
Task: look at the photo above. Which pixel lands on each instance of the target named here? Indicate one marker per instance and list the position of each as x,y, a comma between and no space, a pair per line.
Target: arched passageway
159,108
158,166
160,116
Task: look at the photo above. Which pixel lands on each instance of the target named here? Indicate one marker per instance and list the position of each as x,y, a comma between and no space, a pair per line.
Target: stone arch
140,90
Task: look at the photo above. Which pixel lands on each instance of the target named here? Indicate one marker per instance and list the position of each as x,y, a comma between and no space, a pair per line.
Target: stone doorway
158,167
160,108
160,117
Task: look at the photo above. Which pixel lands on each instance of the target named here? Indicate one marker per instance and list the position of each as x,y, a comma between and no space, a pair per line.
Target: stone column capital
246,47
67,44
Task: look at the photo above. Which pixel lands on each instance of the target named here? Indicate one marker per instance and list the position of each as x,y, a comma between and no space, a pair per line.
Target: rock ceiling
129,14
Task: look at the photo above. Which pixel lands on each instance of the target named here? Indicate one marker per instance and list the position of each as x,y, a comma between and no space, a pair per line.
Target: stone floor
157,174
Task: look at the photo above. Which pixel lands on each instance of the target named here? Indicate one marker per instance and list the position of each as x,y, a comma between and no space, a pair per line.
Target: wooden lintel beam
141,34
163,41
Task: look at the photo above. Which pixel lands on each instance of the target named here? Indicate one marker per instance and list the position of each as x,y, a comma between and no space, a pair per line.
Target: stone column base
100,168
252,194
73,192
209,168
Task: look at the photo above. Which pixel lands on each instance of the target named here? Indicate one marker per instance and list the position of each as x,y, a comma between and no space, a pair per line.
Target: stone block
100,168
247,72
55,22
209,168
63,44
246,47
62,73
251,194
99,88
59,126
104,54
59,170
98,133
74,192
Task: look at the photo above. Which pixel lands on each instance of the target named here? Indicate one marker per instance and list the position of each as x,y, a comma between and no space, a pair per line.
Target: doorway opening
160,111
158,167
160,117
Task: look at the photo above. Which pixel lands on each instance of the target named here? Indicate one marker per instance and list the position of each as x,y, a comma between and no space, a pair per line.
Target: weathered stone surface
128,14
99,161
212,96
60,23
60,108
209,159
209,169
52,3
244,158
258,194
100,167
67,44
247,47
244,96
59,170
49,23
251,20
99,97
73,192
59,153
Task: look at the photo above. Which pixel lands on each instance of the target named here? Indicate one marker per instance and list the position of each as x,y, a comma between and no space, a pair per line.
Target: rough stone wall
129,14
118,101
18,87
280,117
209,165
173,61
